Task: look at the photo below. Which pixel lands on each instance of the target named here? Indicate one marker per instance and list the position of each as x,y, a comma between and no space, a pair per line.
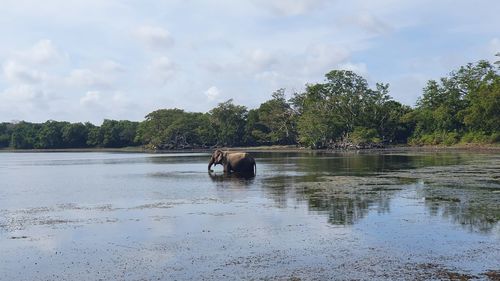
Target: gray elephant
239,162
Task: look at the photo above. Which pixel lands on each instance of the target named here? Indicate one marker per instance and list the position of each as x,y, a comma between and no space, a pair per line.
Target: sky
88,60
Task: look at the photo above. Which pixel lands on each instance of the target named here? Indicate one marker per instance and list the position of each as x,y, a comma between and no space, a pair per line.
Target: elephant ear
218,156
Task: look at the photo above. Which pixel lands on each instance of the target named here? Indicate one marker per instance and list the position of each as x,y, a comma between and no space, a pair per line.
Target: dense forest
341,112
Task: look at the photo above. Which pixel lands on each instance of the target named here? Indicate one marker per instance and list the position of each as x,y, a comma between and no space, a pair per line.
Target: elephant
239,162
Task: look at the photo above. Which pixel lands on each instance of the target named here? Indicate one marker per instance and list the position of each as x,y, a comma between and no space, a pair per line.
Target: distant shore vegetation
341,112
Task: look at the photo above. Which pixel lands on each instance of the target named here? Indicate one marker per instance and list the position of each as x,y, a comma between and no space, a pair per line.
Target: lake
305,216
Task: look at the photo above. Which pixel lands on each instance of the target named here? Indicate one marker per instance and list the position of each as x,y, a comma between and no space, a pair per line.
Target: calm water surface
92,216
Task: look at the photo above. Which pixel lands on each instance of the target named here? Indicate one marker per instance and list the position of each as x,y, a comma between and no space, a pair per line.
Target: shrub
436,138
478,137
364,135
495,137
451,138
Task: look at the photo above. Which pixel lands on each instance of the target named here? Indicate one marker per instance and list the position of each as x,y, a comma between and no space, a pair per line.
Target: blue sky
90,60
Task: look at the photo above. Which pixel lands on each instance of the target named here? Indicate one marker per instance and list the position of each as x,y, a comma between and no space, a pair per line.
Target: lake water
305,216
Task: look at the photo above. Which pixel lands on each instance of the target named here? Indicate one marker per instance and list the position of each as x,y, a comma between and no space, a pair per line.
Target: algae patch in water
439,198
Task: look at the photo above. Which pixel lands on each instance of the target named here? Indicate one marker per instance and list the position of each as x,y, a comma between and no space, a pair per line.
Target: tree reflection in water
344,199
466,194
471,215
347,210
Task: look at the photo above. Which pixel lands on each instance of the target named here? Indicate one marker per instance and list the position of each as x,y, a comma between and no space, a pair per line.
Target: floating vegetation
157,205
18,237
439,198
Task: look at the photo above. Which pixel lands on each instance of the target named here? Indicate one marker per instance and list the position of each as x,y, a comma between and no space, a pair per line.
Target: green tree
464,101
75,135
228,121
396,128
330,111
483,114
94,135
152,130
50,135
384,115
5,134
204,130
276,121
24,135
175,128
255,132
185,131
118,133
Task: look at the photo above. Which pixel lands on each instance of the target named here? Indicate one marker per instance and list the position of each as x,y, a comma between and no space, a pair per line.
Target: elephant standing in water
239,162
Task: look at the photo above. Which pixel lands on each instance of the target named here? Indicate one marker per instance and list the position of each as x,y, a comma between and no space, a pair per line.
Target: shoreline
280,148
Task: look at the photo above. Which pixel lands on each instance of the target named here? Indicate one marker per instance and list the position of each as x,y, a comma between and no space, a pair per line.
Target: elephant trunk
210,163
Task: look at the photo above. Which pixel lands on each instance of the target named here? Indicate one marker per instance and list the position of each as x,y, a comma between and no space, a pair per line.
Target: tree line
341,112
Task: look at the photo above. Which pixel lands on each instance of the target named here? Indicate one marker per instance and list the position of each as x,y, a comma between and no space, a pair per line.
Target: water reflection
346,187
178,158
234,179
472,208
343,199
359,163
470,215
340,210
465,193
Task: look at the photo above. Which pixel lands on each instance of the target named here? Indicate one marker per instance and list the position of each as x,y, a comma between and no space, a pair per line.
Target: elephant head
217,158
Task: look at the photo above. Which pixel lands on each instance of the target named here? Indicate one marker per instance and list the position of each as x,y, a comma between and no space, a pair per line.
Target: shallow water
382,215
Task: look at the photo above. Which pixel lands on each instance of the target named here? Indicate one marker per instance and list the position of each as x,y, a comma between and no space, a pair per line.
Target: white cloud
269,76
162,69
260,59
25,98
37,65
406,88
494,46
102,75
213,66
111,66
246,61
261,63
18,73
111,105
116,102
121,99
371,23
21,93
320,58
84,77
212,93
358,68
290,8
91,99
277,80
154,37
42,52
